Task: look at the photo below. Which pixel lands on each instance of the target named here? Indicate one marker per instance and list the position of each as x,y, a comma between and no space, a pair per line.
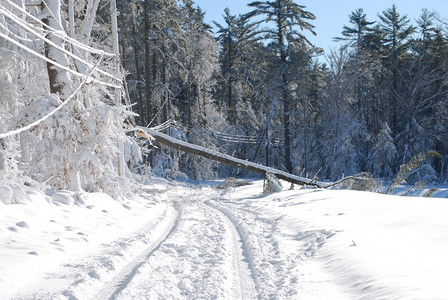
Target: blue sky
331,15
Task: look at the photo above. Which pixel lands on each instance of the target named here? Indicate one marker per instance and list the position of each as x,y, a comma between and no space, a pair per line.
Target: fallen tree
227,159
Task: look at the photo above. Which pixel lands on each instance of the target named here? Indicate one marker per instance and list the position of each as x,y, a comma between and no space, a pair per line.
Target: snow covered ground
185,241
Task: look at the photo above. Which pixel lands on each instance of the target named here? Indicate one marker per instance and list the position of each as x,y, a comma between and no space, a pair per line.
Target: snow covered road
187,241
187,249
202,258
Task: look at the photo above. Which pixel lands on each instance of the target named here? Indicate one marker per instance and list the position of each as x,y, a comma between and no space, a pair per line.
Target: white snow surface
194,241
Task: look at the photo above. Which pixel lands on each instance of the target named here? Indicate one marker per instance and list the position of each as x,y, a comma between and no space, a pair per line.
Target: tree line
256,89
77,76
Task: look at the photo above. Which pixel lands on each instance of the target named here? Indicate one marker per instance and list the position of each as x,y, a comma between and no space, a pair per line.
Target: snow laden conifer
382,157
202,114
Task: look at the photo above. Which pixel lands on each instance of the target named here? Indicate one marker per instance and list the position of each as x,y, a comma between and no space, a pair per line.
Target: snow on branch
17,36
37,122
90,78
25,26
60,33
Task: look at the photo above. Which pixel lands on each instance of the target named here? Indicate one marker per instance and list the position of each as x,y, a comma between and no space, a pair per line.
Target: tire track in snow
202,259
243,280
96,275
273,269
164,229
242,234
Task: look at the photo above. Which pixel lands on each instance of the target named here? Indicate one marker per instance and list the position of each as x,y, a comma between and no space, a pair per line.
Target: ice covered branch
24,25
56,64
37,122
60,33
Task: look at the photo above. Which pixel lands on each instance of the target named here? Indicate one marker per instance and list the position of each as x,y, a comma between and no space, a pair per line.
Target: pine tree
383,153
397,32
356,35
237,40
289,20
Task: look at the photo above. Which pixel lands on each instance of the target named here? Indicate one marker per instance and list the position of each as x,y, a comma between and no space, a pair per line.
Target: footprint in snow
94,275
13,229
33,253
22,224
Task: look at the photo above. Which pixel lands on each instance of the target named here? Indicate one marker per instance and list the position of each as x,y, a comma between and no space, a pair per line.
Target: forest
77,77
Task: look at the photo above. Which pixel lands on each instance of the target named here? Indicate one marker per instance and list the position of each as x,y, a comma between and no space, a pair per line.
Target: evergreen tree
289,19
237,40
382,156
397,32
356,35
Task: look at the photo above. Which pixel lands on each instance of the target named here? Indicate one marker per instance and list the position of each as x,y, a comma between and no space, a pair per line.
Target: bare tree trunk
139,84
154,80
287,125
71,17
286,105
231,108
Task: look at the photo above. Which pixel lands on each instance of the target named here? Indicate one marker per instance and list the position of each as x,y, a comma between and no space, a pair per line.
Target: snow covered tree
67,121
289,19
237,40
60,83
383,154
343,133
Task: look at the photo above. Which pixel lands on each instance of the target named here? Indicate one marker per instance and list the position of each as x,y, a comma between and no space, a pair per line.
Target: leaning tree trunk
226,159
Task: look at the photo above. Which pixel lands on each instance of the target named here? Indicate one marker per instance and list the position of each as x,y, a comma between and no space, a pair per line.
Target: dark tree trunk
148,90
139,84
287,125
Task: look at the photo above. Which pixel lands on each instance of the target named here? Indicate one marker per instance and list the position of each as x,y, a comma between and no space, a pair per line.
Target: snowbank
297,244
39,237
359,244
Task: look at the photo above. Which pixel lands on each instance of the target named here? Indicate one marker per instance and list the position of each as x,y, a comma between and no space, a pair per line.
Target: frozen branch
23,24
60,33
56,64
37,122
